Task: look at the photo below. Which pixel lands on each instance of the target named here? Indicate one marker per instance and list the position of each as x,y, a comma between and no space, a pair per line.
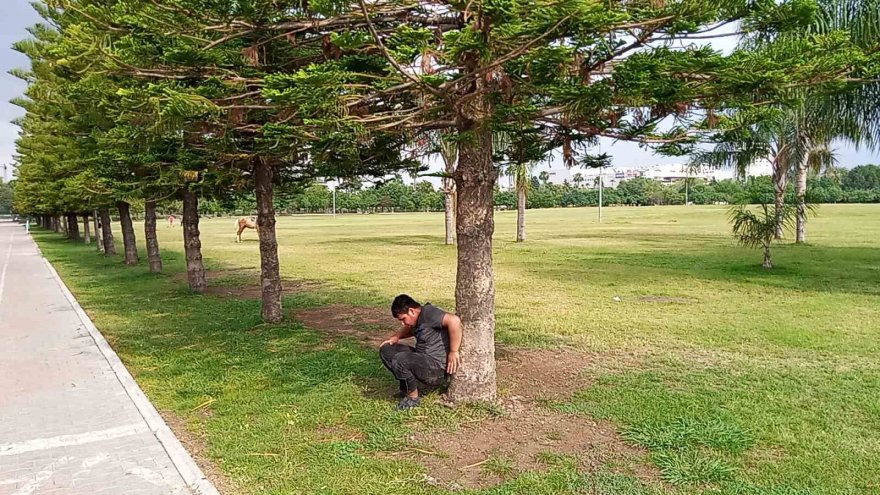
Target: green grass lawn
734,379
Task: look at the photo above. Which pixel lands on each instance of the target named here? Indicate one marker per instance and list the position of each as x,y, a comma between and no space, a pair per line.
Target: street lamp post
601,184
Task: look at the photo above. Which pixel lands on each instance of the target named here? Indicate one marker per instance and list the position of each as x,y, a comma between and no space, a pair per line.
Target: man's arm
453,325
403,333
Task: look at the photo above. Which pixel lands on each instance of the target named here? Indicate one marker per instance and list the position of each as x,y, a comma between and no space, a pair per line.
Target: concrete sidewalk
72,421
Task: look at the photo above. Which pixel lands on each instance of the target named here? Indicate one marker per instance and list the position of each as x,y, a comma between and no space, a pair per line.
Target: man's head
406,310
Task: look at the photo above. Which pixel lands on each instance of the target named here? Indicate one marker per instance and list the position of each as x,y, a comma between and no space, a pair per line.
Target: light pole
601,184
335,184
687,183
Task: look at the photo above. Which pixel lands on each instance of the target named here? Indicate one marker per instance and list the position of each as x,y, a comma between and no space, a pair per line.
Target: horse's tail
236,223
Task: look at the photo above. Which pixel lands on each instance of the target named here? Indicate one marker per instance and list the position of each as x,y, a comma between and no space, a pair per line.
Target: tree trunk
520,215
780,180
128,239
99,238
61,224
195,269
800,191
87,237
150,236
73,227
270,275
448,207
475,285
768,264
107,233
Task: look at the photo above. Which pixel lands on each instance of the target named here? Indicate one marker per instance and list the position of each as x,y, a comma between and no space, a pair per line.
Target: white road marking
94,461
69,440
153,478
41,477
5,266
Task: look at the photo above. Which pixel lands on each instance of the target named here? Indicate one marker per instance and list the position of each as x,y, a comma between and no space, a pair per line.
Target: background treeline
858,185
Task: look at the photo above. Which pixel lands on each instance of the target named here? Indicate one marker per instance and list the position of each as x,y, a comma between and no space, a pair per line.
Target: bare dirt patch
527,437
366,325
197,449
541,373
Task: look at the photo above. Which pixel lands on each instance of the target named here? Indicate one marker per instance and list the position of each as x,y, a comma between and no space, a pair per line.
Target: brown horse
245,223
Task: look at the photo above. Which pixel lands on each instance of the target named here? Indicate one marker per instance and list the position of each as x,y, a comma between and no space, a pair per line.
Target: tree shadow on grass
187,347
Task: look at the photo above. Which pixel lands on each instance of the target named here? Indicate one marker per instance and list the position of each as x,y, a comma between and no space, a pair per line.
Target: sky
17,15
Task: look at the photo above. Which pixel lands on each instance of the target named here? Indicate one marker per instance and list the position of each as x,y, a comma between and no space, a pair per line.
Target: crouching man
438,338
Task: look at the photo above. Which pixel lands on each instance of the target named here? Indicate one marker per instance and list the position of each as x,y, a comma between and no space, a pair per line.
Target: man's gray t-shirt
431,338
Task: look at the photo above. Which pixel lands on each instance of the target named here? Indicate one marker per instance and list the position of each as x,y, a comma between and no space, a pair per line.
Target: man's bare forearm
453,325
405,333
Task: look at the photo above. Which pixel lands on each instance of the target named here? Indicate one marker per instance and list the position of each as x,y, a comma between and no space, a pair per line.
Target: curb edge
190,472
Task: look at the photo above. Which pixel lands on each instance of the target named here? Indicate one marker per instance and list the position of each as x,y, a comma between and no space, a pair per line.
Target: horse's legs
238,235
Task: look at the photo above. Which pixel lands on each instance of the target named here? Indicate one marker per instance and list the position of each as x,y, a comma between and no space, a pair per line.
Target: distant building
666,173
7,172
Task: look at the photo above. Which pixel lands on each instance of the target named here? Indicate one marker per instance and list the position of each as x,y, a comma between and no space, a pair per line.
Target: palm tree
852,115
578,179
819,157
544,176
520,172
449,153
798,139
438,142
772,139
758,230
520,150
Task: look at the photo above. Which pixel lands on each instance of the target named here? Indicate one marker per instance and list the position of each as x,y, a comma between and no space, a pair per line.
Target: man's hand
393,340
453,361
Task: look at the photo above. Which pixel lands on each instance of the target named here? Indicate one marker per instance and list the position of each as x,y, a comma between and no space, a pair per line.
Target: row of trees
134,101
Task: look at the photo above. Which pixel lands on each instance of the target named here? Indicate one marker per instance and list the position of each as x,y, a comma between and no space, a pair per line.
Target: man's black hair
402,304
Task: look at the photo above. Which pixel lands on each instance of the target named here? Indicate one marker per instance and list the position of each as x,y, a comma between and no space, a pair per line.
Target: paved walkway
72,421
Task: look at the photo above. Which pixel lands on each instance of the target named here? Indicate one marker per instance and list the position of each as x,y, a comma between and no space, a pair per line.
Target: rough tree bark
475,286
150,236
520,215
73,227
800,191
192,245
270,275
99,238
87,236
128,238
768,263
780,180
107,233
